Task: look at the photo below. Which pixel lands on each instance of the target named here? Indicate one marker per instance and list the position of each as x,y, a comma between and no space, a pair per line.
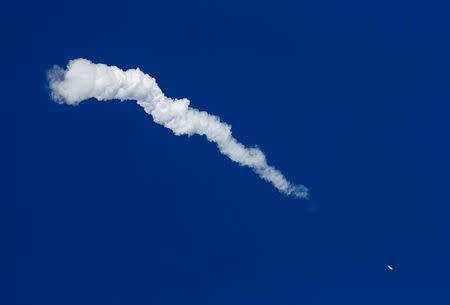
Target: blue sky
100,205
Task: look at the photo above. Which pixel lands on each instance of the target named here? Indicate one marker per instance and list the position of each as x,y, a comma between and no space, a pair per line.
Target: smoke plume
83,80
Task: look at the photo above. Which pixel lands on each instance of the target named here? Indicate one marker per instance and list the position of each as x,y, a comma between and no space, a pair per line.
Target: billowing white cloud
83,80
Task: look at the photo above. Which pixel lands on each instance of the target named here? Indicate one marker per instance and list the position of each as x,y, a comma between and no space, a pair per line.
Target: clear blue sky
100,205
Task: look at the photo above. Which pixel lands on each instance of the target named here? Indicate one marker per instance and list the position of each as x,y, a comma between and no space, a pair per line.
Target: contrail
83,80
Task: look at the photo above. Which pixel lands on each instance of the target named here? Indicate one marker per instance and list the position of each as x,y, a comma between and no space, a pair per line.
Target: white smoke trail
83,80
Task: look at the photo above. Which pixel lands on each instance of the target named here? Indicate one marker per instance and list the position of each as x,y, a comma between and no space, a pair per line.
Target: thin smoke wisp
83,80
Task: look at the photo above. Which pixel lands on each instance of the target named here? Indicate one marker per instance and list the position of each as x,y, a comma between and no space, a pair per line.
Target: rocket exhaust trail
83,80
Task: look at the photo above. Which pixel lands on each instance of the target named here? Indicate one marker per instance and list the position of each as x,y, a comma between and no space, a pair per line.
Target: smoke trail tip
55,75
299,191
